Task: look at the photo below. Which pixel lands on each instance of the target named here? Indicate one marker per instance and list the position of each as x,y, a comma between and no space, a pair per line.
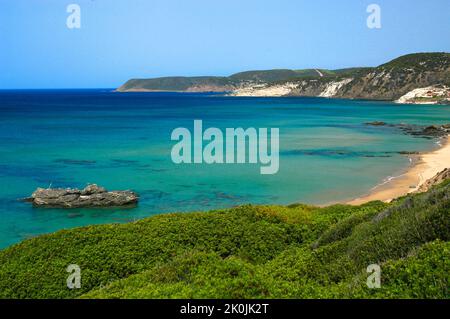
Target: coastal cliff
246,252
390,81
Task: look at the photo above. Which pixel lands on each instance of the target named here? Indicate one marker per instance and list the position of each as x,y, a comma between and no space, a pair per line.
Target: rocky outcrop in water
431,131
91,196
437,179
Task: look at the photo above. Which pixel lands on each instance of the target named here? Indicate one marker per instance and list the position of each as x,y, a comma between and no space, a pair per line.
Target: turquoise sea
67,138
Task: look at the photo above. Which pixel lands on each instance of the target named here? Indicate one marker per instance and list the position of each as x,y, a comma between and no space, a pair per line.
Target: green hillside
420,61
297,251
265,76
388,81
352,72
176,83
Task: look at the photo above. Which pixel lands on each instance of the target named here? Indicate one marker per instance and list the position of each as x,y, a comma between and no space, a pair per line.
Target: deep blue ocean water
68,138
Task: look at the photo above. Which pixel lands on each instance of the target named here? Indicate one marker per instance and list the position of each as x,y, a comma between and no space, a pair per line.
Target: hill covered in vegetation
388,81
400,76
295,251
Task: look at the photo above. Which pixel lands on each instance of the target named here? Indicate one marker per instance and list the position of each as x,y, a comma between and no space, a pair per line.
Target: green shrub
297,251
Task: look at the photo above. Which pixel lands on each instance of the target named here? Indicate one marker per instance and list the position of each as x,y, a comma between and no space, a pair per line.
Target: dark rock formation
425,131
376,123
409,153
91,196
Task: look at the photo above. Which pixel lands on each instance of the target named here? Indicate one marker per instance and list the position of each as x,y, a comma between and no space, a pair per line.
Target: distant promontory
412,78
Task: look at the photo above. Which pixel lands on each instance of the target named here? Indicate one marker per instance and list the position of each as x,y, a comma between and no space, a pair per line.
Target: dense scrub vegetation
420,61
297,251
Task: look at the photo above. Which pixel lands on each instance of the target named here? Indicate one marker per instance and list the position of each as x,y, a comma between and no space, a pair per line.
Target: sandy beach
424,167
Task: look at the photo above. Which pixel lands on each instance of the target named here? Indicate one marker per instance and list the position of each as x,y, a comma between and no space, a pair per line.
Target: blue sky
122,39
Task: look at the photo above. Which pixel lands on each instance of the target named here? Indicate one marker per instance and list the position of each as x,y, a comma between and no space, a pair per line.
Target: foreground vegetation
246,252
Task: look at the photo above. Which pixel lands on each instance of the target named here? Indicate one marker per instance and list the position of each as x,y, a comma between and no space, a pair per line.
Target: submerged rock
376,123
91,196
431,131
